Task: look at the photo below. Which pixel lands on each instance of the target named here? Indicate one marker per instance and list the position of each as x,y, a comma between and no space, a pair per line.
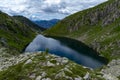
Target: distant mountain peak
47,23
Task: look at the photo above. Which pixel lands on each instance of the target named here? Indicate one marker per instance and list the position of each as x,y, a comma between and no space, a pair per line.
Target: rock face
109,77
112,71
107,14
104,14
97,27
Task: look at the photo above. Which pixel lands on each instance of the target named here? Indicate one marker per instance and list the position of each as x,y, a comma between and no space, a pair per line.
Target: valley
82,46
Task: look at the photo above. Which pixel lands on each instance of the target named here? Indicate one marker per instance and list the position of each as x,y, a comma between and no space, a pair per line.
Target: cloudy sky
45,9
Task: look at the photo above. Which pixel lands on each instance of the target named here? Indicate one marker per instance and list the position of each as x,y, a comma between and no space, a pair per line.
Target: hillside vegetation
44,66
29,22
14,34
97,27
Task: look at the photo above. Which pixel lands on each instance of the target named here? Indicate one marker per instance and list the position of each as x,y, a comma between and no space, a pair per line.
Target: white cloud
45,9
51,2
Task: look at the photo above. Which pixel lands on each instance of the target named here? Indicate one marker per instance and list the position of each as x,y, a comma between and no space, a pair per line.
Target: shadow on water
70,48
80,47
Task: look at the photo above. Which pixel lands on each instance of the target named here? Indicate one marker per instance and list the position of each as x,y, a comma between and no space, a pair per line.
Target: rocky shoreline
66,67
112,71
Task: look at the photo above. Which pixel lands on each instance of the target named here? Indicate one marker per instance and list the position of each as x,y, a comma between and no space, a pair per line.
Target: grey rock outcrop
112,71
28,61
38,78
87,76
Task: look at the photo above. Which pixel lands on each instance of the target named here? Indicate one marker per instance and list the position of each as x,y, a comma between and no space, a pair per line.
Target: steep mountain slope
98,27
28,22
14,34
47,23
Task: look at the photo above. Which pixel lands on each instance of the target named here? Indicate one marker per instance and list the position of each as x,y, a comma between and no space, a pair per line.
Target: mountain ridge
14,34
98,27
43,66
47,23
28,22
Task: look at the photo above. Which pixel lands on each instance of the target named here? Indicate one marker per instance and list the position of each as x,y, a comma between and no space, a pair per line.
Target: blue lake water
65,47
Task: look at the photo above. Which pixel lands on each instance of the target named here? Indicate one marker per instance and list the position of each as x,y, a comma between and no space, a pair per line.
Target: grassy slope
38,67
28,22
97,27
14,34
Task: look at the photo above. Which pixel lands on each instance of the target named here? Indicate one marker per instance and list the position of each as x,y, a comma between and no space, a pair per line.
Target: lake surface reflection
65,47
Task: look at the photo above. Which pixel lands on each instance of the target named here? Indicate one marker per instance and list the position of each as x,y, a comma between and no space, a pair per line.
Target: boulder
44,74
87,76
49,64
60,74
78,78
109,77
38,78
32,76
46,79
28,61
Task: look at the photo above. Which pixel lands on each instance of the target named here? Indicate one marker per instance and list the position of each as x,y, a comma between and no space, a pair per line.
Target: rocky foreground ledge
44,66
